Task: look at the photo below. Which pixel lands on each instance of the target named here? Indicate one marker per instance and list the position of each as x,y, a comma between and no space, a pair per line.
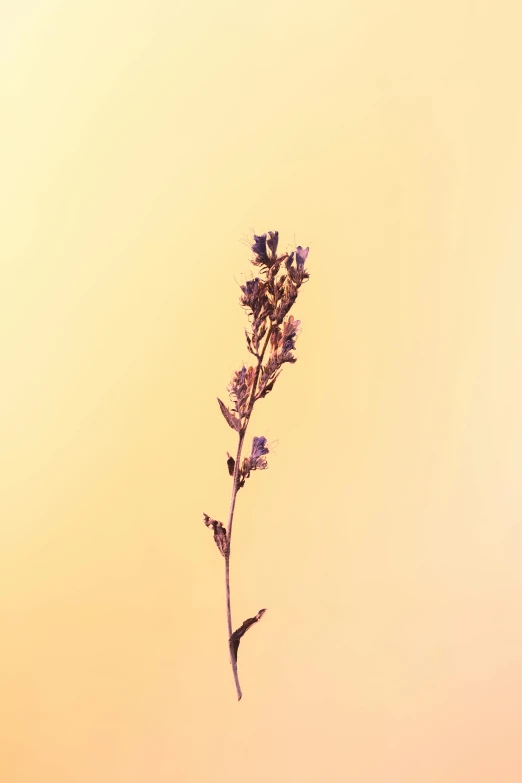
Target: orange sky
142,142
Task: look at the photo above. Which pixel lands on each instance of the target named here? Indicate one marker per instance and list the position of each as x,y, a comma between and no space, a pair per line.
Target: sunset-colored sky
142,142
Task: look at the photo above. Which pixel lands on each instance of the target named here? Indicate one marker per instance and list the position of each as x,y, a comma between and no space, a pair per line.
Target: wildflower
297,273
251,295
257,457
289,334
259,250
301,256
272,242
240,388
268,299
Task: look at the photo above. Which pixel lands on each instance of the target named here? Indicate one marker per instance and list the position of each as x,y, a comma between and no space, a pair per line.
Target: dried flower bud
268,387
253,295
282,343
289,334
231,463
272,240
301,256
239,389
283,339
264,248
298,273
259,250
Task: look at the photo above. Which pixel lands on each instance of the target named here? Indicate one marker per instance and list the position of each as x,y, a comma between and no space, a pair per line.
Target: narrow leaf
231,463
233,421
236,636
220,534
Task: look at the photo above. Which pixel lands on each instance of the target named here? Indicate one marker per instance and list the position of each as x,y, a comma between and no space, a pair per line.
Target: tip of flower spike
264,248
259,245
272,241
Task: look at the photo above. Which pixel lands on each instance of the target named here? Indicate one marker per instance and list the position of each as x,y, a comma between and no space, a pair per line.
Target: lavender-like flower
257,458
259,250
272,240
267,299
256,461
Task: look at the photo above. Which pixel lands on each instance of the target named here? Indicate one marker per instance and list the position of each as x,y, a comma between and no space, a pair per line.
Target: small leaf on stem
232,421
231,463
236,636
220,534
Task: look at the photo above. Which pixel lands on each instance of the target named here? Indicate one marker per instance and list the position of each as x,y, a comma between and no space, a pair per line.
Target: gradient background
141,142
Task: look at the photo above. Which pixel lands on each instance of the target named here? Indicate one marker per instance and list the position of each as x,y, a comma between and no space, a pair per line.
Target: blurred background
142,142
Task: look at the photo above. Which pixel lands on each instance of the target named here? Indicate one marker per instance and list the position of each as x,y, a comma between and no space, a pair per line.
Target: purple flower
239,389
253,296
265,249
259,250
272,241
290,330
300,257
257,457
250,289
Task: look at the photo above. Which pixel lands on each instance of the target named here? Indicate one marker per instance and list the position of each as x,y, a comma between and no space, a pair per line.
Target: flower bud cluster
240,389
255,298
265,249
268,298
282,343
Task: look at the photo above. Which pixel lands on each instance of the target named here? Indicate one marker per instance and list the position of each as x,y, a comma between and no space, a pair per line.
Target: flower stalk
267,299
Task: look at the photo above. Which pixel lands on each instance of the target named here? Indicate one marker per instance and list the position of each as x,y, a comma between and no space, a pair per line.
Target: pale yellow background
141,142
